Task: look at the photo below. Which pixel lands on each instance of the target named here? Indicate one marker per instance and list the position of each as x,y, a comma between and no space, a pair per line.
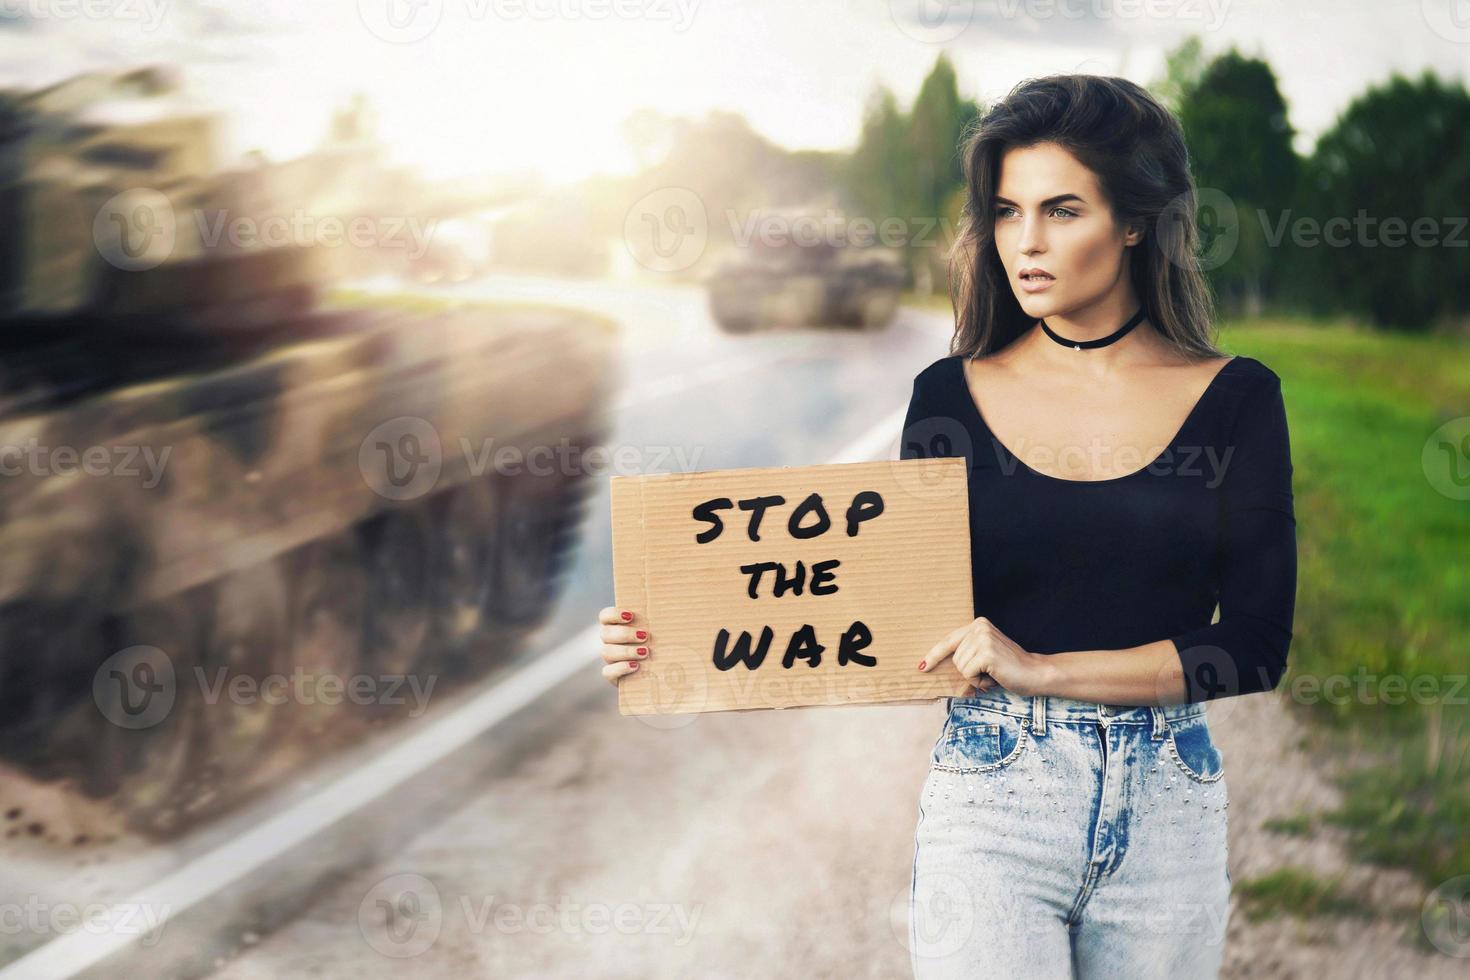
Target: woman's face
1050,215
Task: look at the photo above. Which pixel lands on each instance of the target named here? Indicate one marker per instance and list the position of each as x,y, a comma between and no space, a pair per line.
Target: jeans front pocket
1194,749
979,739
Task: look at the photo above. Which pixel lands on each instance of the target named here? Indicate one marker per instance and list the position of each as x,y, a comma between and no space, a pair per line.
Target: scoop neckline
979,418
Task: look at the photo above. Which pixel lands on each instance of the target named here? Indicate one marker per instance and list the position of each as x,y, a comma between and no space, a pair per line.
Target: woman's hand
624,643
989,658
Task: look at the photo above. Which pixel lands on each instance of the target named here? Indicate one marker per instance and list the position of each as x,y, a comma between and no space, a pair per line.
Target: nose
1033,236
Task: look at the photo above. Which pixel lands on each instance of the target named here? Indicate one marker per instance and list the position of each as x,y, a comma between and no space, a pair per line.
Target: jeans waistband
1040,709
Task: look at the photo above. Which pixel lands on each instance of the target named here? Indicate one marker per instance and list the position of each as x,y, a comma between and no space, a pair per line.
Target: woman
1073,822
1125,475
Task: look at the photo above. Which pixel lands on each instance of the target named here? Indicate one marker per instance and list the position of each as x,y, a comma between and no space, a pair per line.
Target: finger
615,672
942,649
624,634
616,652
613,616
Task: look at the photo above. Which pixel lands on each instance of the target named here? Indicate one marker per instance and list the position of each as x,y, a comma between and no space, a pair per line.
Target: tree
908,166
1393,175
1235,123
1183,67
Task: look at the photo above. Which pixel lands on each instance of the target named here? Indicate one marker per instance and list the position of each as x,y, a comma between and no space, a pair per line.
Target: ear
1133,236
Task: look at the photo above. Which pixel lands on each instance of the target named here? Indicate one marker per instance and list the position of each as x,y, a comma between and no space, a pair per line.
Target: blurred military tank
217,493
788,280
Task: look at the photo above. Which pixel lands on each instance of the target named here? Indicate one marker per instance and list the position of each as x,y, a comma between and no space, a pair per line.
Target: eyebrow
1049,202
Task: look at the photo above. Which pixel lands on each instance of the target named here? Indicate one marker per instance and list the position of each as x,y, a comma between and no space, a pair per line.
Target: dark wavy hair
1136,148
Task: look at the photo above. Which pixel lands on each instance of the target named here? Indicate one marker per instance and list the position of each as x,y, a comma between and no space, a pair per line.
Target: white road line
74,952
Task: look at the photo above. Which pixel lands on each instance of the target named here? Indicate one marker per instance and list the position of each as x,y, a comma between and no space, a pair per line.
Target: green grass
1383,595
1294,891
1302,825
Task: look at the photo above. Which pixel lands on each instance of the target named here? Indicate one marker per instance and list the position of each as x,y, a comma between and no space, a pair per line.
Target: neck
1091,323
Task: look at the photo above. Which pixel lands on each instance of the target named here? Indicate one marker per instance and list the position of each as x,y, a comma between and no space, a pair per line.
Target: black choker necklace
1133,321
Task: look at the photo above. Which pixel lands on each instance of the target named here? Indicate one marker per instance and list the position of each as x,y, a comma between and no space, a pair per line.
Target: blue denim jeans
1068,839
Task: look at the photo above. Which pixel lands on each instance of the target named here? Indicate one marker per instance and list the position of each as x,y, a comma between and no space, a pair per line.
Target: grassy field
1383,594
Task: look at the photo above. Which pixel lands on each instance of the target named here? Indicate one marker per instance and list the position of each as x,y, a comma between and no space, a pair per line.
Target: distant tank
206,475
790,281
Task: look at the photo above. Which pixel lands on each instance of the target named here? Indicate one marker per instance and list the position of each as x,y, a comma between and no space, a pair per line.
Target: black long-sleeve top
1062,565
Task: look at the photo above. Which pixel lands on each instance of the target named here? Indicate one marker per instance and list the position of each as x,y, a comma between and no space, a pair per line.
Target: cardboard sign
786,586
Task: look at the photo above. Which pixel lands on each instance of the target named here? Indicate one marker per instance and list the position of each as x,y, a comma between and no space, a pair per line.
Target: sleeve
930,430
1244,652
911,445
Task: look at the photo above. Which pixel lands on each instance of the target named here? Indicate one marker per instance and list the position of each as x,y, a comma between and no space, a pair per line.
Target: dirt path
770,842
1272,777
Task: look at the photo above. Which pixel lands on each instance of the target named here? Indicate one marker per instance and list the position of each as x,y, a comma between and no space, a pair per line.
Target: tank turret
804,277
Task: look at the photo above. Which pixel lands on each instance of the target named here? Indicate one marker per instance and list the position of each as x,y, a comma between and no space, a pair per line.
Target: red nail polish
922,663
627,617
642,651
633,665
642,634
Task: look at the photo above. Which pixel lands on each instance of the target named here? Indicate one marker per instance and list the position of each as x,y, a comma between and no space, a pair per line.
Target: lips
1035,280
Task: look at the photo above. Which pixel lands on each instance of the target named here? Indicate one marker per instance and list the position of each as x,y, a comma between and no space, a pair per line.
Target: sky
464,86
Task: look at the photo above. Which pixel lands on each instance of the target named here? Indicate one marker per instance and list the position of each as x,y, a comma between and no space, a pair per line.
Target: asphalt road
714,844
